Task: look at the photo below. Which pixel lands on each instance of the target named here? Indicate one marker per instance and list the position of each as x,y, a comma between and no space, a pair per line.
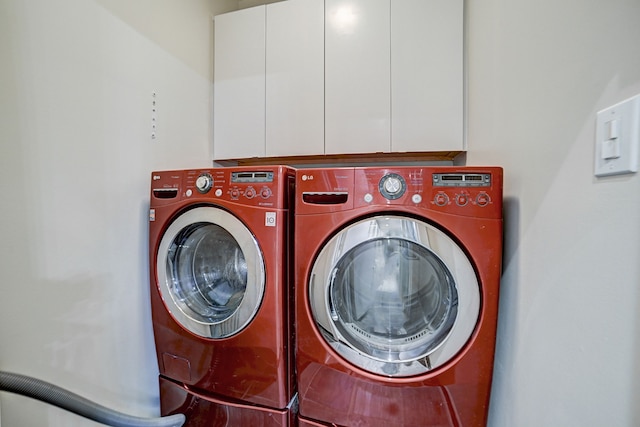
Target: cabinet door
295,78
427,102
357,76
239,84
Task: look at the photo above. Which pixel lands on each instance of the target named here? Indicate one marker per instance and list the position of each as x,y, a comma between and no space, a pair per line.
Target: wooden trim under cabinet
452,157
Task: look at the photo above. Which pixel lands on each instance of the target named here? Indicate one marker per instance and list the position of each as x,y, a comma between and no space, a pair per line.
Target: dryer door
210,272
394,295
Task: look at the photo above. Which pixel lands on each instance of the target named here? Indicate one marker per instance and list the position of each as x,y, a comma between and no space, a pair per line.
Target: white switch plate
618,138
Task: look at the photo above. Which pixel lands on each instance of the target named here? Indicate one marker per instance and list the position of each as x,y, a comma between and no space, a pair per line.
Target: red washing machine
221,294
397,276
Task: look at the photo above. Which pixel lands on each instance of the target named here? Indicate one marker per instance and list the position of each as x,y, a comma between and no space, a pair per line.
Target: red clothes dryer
397,275
220,294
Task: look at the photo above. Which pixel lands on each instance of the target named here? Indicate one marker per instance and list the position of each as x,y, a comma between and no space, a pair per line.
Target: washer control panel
266,186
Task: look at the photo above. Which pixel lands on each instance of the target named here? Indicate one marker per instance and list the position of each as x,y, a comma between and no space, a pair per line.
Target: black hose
54,395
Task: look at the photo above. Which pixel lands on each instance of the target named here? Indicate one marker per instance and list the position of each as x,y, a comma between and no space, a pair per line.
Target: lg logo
307,177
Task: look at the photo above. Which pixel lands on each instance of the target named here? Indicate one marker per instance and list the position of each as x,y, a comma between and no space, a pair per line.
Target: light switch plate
618,138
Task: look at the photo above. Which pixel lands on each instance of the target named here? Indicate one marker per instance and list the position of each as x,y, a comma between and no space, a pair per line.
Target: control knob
204,183
392,186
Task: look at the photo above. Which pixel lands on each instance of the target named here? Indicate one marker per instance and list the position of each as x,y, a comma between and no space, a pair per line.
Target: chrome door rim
424,235
254,292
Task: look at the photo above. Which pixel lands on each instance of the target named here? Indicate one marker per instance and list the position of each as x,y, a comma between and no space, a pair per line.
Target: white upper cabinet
269,81
295,78
313,77
357,76
239,84
427,78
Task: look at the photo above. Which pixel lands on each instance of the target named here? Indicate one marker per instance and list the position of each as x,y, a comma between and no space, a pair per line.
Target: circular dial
392,186
204,183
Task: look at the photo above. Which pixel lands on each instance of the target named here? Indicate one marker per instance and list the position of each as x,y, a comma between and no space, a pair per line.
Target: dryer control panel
460,191
452,189
466,191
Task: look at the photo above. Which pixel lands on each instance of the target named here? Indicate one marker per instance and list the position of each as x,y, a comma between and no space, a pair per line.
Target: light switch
610,149
612,129
618,138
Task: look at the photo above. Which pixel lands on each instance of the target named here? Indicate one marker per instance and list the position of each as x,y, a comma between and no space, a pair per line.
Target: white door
239,89
394,295
357,76
295,78
210,272
427,75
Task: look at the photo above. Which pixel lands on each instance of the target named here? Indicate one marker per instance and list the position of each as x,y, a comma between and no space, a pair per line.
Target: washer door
394,295
210,272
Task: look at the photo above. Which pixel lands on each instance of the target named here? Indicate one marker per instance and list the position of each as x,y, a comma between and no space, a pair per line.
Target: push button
250,193
265,193
441,199
462,199
483,199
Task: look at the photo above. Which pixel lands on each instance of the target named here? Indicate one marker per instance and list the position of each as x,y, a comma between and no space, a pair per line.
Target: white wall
75,156
569,329
75,160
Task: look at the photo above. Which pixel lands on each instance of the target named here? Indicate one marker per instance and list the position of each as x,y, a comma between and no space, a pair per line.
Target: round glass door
394,295
210,272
